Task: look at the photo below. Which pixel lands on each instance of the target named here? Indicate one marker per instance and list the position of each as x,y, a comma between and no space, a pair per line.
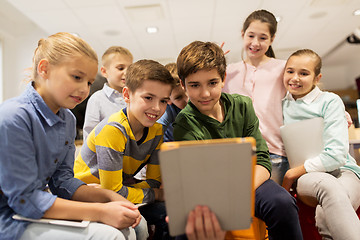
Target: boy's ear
43,68
126,94
103,71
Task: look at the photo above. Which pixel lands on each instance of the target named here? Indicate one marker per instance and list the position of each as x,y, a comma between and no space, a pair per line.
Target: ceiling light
317,15
112,32
356,12
151,30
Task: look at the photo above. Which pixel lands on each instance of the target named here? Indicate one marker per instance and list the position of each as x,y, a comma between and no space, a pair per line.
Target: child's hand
119,214
202,224
137,221
221,46
292,175
348,119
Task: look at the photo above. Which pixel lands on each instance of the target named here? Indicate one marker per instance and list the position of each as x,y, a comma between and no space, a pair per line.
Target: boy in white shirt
109,99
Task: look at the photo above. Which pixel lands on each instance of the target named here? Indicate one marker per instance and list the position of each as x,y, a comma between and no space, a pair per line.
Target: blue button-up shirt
36,148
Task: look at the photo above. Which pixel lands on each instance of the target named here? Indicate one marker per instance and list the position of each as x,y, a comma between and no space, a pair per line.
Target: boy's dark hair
147,70
310,53
200,56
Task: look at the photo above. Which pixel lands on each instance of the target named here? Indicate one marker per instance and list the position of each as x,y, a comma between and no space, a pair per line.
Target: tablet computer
217,173
303,140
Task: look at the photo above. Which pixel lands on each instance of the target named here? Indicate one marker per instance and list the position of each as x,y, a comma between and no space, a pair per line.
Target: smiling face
257,40
66,84
147,103
115,70
299,76
204,90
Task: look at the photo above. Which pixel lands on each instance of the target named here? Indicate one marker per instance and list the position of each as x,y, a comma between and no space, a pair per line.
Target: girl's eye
194,85
121,69
213,83
148,98
164,101
304,74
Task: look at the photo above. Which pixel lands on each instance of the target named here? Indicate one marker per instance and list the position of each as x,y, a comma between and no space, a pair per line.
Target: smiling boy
122,144
211,114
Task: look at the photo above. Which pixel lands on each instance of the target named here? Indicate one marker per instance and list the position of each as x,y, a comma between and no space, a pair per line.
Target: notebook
303,140
217,173
68,223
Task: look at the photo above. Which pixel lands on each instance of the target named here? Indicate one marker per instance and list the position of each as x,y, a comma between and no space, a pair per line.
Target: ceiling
321,25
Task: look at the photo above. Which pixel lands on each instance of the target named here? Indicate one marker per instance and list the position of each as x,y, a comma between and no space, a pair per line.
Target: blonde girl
37,149
330,181
259,76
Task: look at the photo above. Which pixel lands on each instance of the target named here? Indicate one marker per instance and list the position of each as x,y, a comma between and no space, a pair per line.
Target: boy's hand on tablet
202,224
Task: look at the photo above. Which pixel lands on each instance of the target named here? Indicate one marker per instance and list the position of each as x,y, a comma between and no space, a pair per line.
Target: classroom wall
19,38
341,76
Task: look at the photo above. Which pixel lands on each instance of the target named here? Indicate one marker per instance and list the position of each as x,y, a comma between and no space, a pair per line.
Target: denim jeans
280,165
155,214
277,208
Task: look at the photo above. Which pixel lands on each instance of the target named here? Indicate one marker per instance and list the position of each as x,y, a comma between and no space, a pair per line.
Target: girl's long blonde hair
59,46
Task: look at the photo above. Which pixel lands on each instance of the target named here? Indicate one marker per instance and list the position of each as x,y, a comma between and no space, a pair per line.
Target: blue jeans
277,208
280,165
155,214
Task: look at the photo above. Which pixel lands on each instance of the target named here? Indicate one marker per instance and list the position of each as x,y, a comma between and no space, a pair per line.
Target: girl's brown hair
263,16
311,53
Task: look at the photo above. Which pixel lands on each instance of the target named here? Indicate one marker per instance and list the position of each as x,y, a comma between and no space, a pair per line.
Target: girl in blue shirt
330,181
37,149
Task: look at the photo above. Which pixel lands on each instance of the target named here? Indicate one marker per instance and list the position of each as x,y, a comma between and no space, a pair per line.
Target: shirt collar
110,91
42,108
308,98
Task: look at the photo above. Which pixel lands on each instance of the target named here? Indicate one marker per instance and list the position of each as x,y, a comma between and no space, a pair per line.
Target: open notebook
217,173
303,140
